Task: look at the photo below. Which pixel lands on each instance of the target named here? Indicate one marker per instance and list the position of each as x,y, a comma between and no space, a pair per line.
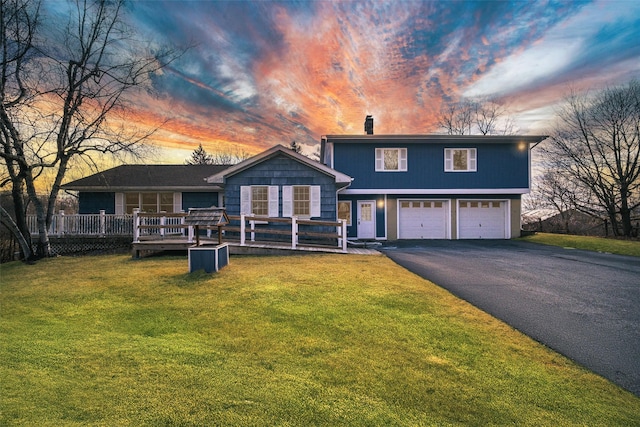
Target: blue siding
198,200
498,166
94,202
282,170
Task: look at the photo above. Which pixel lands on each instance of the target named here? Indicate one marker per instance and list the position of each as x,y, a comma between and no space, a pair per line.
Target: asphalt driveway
585,305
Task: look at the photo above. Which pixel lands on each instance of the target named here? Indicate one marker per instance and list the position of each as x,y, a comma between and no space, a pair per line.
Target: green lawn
599,244
305,340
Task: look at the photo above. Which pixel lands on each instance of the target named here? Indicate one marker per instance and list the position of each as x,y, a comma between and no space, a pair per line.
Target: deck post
242,230
103,222
163,222
190,232
343,233
252,226
294,232
136,225
61,223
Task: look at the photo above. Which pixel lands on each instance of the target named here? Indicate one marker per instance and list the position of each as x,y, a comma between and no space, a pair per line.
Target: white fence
294,230
101,224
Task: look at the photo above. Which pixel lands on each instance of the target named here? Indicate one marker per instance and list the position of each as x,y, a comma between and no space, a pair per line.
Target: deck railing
101,224
298,232
246,229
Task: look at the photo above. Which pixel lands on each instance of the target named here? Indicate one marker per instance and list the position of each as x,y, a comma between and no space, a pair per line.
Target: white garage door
485,219
422,219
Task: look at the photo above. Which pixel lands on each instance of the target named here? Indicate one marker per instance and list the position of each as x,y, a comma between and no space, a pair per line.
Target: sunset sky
263,72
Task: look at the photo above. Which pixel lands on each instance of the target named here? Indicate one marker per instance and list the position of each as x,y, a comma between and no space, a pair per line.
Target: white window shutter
119,203
379,159
273,201
473,163
402,161
177,202
448,159
287,201
245,200
316,201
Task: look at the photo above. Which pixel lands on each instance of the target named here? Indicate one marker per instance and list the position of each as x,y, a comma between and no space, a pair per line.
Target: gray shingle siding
282,171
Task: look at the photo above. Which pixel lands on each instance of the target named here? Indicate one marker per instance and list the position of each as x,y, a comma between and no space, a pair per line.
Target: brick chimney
368,125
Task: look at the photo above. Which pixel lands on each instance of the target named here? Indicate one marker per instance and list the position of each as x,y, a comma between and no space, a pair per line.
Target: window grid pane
166,202
260,200
149,202
132,201
301,201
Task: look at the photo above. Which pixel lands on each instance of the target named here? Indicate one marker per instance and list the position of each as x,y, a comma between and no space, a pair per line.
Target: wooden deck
249,248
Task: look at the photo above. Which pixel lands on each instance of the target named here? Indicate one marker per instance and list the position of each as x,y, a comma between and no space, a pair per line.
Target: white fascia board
437,191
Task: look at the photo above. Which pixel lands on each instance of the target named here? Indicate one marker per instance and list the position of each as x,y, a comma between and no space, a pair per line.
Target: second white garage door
486,219
423,219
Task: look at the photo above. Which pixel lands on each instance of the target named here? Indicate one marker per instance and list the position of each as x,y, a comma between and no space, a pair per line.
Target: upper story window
391,159
460,160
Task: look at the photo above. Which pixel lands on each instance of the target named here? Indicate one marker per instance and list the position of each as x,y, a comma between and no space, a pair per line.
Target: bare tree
596,143
481,116
64,95
230,157
556,192
456,117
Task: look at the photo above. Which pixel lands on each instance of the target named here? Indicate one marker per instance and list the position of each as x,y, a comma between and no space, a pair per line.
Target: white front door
366,219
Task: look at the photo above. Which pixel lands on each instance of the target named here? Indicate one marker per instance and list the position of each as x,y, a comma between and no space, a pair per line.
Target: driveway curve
584,305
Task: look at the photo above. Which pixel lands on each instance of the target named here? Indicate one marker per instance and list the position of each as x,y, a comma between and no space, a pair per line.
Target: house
386,187
150,188
431,186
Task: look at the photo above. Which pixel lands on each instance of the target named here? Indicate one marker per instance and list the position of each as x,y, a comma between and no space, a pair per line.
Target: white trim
245,200
177,202
273,201
119,203
315,202
386,220
287,201
436,191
